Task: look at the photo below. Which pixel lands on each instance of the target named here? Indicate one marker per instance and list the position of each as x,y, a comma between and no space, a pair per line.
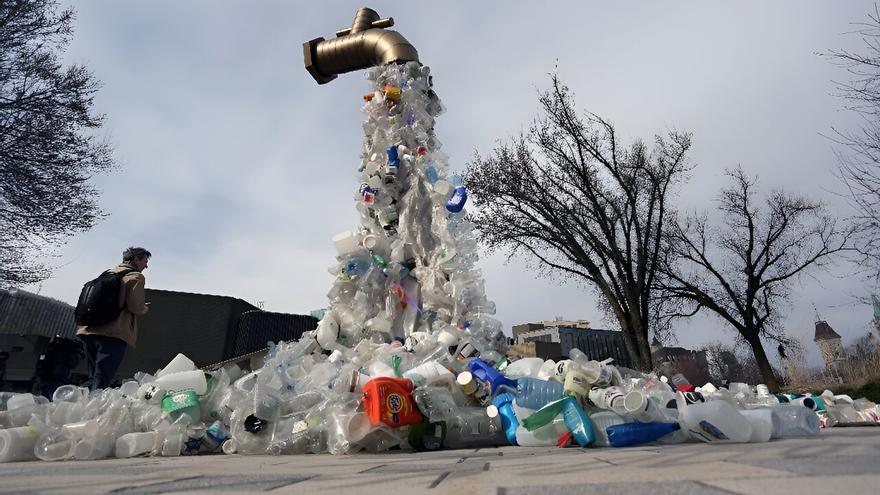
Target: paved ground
839,461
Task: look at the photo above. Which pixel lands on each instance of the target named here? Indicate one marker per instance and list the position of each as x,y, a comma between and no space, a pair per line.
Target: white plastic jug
184,380
762,424
524,367
715,421
176,365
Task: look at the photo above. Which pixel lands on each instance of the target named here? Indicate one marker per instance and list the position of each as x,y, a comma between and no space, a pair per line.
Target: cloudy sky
236,168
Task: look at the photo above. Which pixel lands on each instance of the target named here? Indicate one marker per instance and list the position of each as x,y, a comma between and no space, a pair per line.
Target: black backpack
99,302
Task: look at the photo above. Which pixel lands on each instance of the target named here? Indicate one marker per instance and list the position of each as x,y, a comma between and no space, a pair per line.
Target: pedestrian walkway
845,459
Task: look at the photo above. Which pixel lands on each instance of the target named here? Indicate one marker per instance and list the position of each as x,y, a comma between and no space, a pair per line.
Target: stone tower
828,342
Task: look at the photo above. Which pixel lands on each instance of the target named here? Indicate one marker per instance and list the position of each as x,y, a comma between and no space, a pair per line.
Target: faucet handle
381,23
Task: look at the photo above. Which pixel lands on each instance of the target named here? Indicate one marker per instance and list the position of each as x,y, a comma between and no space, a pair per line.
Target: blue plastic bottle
534,393
456,202
485,373
508,417
629,434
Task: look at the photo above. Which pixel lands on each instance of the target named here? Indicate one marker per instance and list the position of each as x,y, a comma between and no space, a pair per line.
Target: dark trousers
104,355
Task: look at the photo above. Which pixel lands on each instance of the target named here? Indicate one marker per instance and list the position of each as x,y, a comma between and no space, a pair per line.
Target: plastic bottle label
708,432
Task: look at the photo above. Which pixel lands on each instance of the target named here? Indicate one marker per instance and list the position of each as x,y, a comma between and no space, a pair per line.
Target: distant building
829,343
567,334
28,322
209,329
206,328
694,365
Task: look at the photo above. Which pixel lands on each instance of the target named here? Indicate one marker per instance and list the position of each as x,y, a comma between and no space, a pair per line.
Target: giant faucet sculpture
365,44
408,272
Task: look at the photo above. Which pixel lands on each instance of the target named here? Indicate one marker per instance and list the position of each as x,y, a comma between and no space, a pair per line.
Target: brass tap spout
365,44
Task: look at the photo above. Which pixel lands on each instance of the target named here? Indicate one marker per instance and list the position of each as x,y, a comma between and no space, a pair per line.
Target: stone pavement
839,461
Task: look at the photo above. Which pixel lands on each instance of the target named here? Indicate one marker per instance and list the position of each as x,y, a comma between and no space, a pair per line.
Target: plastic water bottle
471,427
601,421
794,421
534,393
629,434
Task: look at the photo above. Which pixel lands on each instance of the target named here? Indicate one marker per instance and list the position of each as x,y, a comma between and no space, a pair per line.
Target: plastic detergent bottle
485,373
577,422
715,421
388,400
502,406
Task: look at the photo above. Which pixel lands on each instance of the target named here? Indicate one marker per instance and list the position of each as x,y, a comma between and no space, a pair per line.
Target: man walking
104,345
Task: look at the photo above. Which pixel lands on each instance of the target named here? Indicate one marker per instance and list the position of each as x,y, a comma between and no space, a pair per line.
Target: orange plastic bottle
389,400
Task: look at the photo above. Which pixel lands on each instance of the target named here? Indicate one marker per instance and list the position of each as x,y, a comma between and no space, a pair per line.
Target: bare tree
743,270
572,198
47,150
859,168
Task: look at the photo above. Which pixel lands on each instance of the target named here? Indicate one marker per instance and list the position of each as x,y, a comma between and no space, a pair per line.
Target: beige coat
124,327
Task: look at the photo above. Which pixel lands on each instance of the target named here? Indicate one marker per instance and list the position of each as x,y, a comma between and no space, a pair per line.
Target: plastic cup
640,408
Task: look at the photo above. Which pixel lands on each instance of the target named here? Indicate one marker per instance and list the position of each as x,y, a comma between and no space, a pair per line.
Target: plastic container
429,373
17,444
601,421
388,400
794,421
715,421
20,400
610,398
534,393
471,427
641,408
133,444
762,424
485,373
545,436
577,422
502,406
185,380
629,434
525,367
176,365
346,242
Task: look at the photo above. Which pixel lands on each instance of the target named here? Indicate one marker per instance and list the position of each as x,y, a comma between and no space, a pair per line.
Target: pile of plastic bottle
305,401
406,356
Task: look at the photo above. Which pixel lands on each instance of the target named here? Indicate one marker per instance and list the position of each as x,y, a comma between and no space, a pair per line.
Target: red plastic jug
389,400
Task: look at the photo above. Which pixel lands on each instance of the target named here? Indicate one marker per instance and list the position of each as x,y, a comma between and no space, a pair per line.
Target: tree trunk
636,345
763,363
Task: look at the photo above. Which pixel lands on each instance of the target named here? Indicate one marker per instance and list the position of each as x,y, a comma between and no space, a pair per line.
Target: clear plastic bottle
794,421
471,427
